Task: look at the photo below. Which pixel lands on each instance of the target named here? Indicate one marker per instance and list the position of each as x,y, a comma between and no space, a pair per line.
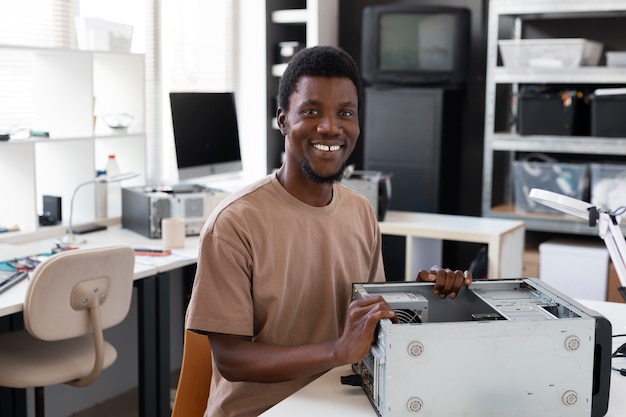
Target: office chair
194,382
71,297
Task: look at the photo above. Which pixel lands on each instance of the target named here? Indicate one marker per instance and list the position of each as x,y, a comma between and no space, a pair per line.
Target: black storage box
553,113
608,115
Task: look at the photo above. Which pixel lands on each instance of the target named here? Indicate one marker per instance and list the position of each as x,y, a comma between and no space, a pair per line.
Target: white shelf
498,202
559,144
69,88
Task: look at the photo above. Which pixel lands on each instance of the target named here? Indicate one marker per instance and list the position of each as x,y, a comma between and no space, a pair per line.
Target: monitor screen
404,44
413,42
206,134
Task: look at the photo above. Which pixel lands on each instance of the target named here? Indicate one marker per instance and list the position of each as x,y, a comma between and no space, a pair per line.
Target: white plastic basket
550,53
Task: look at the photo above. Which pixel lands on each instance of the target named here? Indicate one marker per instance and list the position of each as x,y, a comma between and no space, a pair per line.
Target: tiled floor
124,405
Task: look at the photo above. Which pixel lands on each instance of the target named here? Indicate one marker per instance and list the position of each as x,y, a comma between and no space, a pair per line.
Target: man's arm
240,359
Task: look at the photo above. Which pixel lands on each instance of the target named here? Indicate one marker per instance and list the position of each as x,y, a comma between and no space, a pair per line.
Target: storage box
553,113
608,185
608,111
612,294
103,35
563,178
550,53
577,269
616,59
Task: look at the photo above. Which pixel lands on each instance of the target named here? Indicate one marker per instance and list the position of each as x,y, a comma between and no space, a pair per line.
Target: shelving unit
537,19
71,91
309,22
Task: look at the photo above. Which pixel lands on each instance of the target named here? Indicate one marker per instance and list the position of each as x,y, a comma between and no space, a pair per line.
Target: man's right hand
358,333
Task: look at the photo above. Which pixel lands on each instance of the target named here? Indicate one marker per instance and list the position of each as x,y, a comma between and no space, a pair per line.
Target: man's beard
305,166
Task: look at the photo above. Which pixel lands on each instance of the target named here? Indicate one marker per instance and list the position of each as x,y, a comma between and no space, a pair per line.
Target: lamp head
561,203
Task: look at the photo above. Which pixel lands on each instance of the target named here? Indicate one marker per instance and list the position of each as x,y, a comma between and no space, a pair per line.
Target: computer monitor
206,134
408,44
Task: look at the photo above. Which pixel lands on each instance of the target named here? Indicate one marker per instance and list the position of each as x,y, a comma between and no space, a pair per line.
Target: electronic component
9,279
503,347
143,208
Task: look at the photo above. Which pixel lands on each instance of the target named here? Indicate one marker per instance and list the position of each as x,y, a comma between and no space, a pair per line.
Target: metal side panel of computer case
504,347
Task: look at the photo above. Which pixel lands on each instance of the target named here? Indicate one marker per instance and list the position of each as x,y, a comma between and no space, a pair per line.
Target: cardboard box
611,293
577,269
531,263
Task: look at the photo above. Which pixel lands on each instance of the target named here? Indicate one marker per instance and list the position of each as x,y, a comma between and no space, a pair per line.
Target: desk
505,239
152,285
326,395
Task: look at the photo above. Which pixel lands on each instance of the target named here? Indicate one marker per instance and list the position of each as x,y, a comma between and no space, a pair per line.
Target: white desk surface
327,397
11,301
410,224
504,237
446,226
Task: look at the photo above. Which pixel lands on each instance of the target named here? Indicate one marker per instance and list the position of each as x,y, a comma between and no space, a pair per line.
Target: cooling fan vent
407,316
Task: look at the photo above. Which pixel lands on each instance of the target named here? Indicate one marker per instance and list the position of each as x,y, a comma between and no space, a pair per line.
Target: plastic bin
564,178
550,53
608,185
616,59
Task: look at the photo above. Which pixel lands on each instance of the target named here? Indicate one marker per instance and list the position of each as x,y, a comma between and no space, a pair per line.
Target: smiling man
278,258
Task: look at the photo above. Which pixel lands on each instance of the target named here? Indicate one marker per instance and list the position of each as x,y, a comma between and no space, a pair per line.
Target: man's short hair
324,61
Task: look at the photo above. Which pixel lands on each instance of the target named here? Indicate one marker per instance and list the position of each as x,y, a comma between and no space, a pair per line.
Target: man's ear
280,120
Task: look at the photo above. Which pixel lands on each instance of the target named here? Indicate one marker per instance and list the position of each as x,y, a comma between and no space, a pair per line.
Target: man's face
321,127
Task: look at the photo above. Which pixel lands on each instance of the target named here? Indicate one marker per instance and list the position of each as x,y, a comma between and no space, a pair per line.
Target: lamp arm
610,232
79,186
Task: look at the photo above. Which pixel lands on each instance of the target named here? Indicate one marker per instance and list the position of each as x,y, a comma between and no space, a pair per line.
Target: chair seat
29,362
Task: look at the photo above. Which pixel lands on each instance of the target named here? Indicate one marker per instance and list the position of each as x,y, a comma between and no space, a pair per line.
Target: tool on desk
152,252
88,228
7,280
14,228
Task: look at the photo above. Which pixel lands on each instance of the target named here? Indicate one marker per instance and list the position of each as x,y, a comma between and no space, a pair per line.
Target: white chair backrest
63,287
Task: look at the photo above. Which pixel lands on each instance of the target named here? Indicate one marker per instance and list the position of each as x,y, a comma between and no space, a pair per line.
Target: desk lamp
607,222
70,239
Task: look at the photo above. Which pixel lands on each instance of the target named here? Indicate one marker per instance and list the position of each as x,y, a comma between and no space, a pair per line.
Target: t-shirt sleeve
221,300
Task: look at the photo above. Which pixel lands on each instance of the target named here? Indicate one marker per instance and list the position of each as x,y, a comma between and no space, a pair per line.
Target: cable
622,371
355,380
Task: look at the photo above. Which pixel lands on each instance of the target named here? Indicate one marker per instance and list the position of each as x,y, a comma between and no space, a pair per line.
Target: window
32,23
191,45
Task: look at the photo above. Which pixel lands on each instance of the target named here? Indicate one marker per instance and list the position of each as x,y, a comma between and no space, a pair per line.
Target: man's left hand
447,282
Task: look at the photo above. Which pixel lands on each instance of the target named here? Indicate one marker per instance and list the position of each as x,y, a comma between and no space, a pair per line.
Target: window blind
30,23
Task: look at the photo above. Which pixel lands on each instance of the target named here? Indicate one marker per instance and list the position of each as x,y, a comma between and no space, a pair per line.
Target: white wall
252,93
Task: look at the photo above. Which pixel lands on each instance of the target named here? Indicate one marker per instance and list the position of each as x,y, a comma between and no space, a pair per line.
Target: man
278,258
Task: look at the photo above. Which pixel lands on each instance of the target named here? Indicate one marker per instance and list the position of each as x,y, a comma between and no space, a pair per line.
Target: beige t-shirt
281,271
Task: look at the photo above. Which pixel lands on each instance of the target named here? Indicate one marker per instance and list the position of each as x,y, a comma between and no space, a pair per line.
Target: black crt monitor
206,134
404,44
